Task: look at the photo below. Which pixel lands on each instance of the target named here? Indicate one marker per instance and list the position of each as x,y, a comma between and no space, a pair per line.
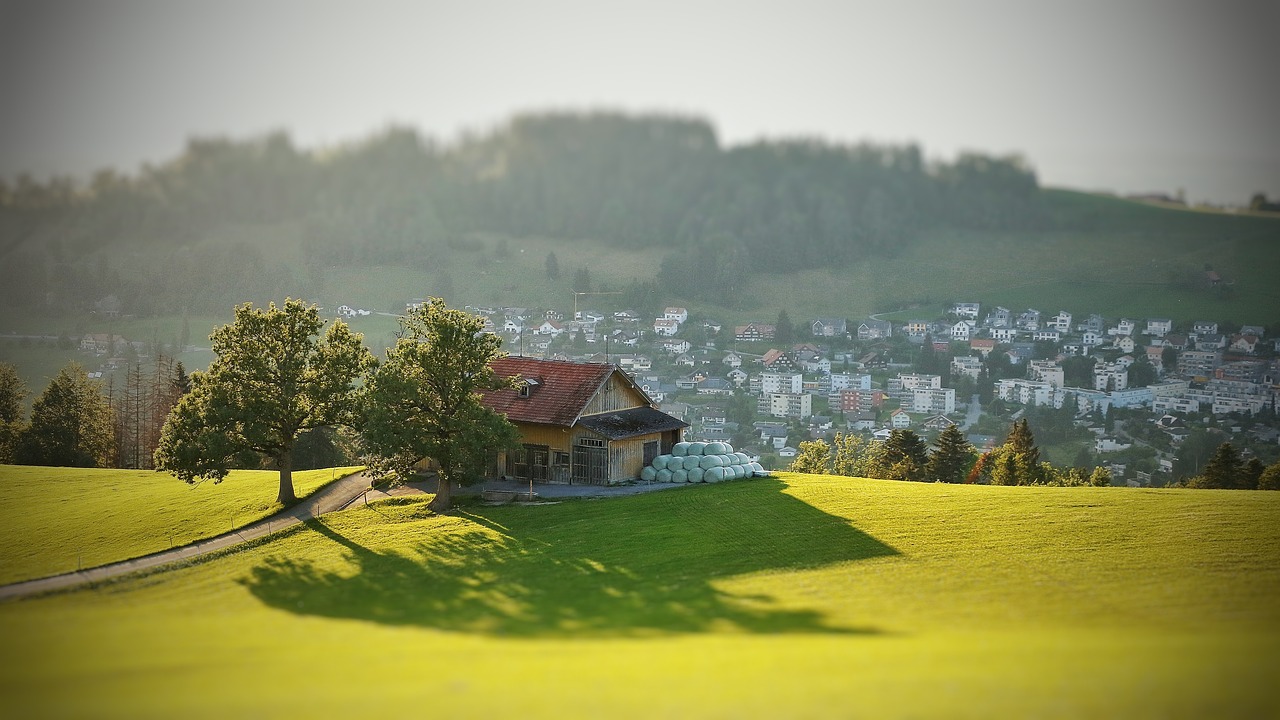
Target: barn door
538,462
591,462
530,462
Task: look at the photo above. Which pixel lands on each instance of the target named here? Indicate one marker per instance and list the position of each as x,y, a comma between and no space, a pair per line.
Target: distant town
1132,390
767,388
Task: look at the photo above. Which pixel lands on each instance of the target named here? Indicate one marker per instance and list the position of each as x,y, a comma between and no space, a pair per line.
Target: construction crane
576,294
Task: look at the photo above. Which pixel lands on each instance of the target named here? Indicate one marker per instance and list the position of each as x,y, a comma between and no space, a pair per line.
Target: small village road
334,496
974,412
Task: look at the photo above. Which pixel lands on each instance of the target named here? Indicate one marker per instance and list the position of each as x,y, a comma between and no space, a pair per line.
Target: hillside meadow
1110,256
798,596
56,520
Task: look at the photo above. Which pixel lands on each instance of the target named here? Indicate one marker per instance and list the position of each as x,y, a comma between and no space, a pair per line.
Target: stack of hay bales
696,462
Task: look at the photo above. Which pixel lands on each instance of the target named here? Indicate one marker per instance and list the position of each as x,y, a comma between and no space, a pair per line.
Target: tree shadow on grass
614,568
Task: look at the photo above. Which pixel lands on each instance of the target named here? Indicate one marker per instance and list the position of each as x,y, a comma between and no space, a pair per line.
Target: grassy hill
1118,258
806,596
57,519
1114,257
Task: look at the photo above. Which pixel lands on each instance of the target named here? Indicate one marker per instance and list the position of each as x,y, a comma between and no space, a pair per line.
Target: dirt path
333,496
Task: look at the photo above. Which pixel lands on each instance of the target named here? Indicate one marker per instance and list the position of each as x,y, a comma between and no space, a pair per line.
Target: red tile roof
562,393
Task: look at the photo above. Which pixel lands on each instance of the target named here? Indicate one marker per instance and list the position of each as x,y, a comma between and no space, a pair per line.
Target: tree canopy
952,458
70,424
1223,471
274,378
663,182
12,394
424,402
812,457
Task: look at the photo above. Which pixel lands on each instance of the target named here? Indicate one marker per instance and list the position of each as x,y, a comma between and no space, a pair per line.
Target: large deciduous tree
424,400
814,457
850,455
70,424
274,378
1270,479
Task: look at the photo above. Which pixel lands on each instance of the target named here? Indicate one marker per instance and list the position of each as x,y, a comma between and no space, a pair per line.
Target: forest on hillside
173,236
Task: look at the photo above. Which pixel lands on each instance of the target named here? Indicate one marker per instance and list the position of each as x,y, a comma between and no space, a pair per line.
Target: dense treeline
172,234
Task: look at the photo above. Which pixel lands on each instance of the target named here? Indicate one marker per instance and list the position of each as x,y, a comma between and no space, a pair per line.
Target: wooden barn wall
626,457
615,394
556,438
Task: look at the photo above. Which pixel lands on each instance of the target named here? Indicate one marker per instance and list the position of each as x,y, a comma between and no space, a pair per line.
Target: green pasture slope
53,519
1120,260
804,596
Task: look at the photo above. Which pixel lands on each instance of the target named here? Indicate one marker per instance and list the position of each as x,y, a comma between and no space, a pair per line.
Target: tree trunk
444,493
285,463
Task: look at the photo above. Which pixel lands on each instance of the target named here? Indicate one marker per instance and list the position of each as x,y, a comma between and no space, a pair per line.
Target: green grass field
803,596
57,519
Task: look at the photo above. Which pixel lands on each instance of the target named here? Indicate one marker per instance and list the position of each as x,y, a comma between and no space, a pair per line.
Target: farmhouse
579,423
828,327
753,332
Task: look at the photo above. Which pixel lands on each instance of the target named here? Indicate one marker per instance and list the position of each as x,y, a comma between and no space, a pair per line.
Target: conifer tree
1023,442
1005,467
1251,474
1222,470
952,457
906,456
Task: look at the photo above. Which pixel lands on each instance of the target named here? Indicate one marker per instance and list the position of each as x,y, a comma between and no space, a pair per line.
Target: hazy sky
1126,95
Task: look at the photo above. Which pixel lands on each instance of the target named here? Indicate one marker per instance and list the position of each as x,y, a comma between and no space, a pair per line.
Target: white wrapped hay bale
675,463
734,472
728,448
680,449
664,476
710,461
715,474
743,458
648,474
714,448
758,470
695,474
679,476
660,462
696,448
727,460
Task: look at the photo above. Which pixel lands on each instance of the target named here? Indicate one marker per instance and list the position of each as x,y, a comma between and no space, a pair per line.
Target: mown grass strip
57,520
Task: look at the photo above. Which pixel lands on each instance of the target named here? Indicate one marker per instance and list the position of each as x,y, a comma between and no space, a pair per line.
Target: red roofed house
982,345
579,423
